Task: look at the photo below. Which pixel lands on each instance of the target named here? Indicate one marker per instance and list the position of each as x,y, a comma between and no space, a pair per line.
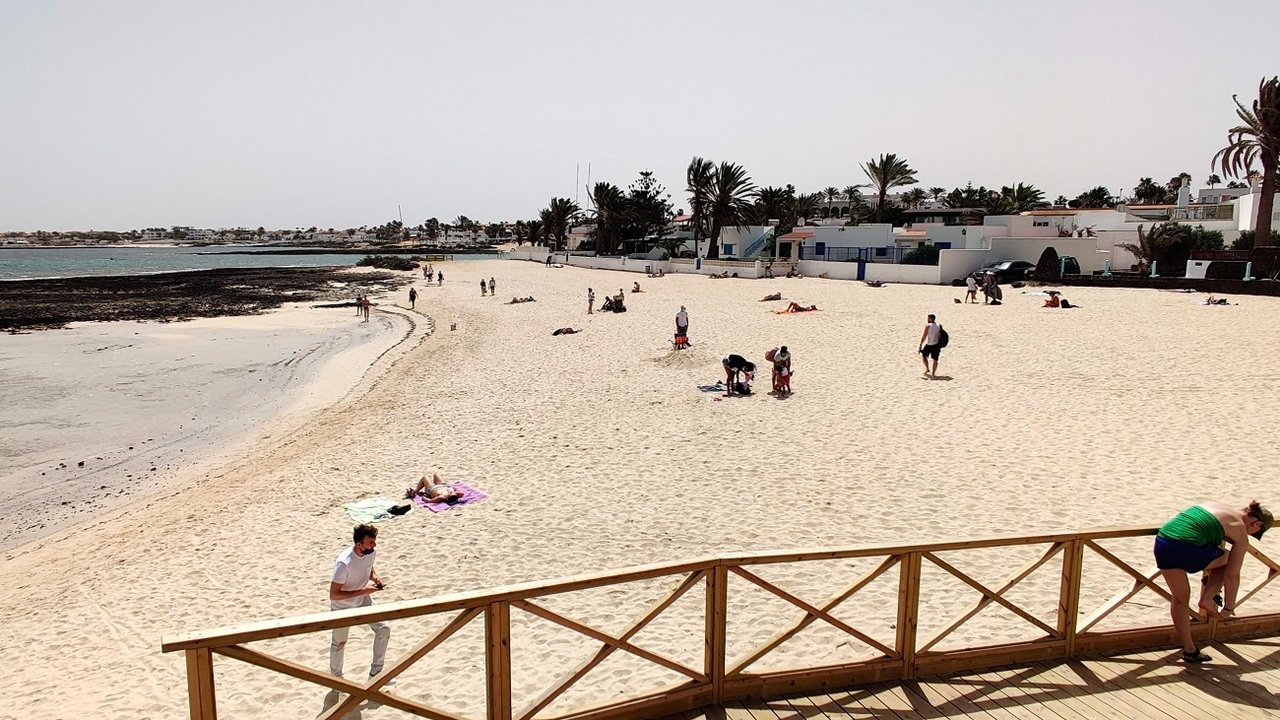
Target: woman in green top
1192,542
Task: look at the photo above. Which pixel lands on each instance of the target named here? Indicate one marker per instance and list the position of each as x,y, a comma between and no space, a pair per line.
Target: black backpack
943,337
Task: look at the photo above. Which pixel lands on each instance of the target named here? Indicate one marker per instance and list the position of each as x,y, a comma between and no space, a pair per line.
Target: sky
131,113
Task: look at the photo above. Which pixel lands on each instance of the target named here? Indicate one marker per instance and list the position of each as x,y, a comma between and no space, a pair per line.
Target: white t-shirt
971,283
931,337
682,319
354,572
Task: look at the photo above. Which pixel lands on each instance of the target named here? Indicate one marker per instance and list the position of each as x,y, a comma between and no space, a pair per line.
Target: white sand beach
598,451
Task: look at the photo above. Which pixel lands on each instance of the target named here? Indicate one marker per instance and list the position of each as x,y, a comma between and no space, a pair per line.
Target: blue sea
33,263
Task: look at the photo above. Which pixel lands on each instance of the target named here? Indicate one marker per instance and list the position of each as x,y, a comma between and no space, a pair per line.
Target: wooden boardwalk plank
1241,683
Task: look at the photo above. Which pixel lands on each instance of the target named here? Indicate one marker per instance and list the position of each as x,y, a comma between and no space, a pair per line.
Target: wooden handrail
722,677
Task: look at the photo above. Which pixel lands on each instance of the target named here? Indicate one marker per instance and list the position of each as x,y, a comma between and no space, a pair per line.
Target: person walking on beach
364,307
548,261
483,288
931,345
353,583
971,290
591,300
439,278
1192,542
359,305
413,297
492,286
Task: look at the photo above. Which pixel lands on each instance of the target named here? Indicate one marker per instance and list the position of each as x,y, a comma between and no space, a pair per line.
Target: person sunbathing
1053,300
718,276
774,296
434,490
635,287
565,331
518,300
796,307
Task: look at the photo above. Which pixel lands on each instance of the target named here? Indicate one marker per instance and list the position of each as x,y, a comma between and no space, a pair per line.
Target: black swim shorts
931,351
1178,555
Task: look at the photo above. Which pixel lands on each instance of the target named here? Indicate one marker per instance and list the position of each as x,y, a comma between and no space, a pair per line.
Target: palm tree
561,214
1257,139
1021,198
857,204
772,203
806,206
936,193
535,230
729,203
698,183
1213,180
913,197
886,174
1154,245
831,193
610,213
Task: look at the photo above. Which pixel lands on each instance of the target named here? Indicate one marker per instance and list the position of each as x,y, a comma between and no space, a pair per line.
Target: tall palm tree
887,173
806,206
729,203
831,193
1213,181
610,213
698,183
561,214
535,230
913,197
857,204
936,193
1258,138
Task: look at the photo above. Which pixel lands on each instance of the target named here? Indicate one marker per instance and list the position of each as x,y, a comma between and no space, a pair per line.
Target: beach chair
681,342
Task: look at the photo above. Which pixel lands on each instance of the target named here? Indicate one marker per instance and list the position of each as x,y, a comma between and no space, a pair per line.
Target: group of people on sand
739,372
990,286
792,307
363,304
612,303
488,289
792,272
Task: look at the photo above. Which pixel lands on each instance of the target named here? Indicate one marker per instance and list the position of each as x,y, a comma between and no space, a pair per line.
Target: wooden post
1069,594
714,636
200,684
497,660
908,612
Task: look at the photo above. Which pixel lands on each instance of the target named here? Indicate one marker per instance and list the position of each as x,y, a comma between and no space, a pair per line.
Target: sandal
1195,658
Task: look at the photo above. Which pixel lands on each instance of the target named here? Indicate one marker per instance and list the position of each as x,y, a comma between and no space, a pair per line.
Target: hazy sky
124,114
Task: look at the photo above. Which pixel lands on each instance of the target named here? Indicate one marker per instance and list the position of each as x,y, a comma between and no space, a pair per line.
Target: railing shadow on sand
1069,594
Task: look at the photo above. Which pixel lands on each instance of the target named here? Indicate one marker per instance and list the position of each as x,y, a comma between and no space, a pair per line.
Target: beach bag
943,337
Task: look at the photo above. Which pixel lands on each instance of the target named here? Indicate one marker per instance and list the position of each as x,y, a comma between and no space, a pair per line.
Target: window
1039,223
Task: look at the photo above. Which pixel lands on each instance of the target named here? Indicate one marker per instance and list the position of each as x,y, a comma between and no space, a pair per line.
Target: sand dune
598,451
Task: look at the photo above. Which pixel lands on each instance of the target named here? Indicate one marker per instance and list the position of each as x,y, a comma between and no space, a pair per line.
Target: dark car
1007,270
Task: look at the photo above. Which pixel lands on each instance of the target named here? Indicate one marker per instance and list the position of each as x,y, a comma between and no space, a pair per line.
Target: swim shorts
1178,555
931,351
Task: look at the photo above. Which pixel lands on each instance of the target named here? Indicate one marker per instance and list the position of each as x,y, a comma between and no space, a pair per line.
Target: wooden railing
1072,625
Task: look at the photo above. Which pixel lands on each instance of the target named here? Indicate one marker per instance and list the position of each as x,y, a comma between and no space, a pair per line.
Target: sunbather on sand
434,490
774,296
565,331
518,300
796,307
635,287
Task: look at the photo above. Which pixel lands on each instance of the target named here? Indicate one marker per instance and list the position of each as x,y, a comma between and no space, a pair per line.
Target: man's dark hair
931,317
363,531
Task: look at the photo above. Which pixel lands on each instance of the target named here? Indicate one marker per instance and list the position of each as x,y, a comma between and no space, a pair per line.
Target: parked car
1007,270
1070,266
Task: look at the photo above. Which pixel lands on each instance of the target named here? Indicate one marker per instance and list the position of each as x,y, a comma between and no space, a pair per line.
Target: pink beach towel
469,495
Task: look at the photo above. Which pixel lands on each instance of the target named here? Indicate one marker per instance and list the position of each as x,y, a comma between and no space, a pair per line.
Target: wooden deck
1242,681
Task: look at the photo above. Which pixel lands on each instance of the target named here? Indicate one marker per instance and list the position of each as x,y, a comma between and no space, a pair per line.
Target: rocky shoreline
168,297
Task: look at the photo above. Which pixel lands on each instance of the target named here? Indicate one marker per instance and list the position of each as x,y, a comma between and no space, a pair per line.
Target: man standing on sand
364,307
353,584
413,297
591,300
930,345
493,286
682,322
483,288
359,305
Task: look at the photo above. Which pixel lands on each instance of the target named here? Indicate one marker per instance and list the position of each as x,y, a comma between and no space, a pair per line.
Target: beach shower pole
1153,269
1106,268
1248,270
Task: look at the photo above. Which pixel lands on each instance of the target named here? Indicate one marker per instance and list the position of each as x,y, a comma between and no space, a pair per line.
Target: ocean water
32,263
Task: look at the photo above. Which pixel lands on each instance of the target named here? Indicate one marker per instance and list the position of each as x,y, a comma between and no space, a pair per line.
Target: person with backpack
932,340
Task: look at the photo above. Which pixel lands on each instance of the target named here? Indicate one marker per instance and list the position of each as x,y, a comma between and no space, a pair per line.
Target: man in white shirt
353,584
930,341
682,322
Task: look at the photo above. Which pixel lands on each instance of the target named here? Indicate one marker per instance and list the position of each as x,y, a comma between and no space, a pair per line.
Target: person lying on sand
565,331
796,307
718,276
635,287
518,300
434,490
1211,300
878,283
774,296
